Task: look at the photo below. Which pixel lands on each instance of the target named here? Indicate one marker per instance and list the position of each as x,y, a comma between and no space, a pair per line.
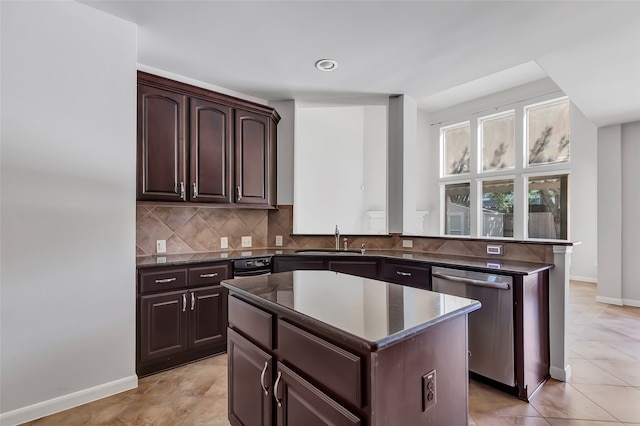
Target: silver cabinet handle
215,274
184,302
404,274
239,192
195,190
182,190
264,370
193,301
165,280
275,389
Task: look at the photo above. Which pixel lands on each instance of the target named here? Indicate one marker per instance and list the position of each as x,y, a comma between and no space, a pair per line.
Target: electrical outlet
278,240
161,246
429,390
246,242
224,242
494,249
407,243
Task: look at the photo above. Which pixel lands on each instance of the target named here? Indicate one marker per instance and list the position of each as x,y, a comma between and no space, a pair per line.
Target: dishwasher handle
470,281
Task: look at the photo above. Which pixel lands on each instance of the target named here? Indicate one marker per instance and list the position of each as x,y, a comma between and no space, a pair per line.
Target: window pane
457,209
456,150
548,133
498,143
497,208
548,201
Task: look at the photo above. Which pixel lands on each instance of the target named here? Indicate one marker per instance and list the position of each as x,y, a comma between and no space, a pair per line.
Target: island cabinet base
287,370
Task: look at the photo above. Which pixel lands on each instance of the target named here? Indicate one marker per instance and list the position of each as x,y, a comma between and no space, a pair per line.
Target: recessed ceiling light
326,65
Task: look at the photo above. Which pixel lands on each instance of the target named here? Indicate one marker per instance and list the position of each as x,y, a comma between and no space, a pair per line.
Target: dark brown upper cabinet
162,137
211,142
200,146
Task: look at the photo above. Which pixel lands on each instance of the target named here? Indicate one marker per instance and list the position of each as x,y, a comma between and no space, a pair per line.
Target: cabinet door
162,142
211,133
207,317
250,379
298,402
407,273
286,264
163,325
360,268
253,158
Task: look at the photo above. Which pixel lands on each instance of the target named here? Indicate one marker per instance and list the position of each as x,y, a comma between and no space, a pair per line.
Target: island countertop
369,312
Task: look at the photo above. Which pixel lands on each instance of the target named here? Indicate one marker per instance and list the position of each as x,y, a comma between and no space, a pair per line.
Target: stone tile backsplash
198,229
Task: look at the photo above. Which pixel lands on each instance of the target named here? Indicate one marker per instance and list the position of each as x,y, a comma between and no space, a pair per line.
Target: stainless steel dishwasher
491,347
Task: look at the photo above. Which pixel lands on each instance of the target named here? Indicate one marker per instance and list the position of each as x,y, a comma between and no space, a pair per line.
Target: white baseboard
562,374
61,403
631,302
610,300
583,279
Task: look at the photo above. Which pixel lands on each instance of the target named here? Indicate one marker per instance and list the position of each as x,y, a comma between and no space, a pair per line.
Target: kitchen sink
328,252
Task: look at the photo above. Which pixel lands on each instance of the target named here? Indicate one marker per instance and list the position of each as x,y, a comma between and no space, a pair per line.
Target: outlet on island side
161,246
246,242
428,390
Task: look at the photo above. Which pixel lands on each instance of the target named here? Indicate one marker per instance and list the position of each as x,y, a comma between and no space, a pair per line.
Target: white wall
630,213
618,212
337,148
427,187
610,215
67,207
583,208
286,127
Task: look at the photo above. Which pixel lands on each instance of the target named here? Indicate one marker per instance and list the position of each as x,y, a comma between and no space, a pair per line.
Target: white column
558,309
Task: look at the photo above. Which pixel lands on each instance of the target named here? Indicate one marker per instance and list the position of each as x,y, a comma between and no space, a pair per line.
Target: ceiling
438,52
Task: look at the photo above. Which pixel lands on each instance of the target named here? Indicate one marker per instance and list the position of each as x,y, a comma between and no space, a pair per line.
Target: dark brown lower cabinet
250,373
182,315
164,323
300,403
303,374
177,322
359,267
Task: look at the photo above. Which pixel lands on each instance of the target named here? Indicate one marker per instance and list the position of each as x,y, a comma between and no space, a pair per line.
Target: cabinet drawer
211,274
403,273
251,321
165,279
323,362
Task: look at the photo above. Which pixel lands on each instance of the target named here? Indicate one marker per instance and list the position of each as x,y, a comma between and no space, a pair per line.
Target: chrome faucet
337,233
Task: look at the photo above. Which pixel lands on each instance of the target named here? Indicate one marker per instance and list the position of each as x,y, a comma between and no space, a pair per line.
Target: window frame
520,173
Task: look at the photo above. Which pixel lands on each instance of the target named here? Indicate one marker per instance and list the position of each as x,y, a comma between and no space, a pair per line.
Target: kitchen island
321,347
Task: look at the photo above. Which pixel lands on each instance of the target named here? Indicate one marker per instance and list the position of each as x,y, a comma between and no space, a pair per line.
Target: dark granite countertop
373,312
465,262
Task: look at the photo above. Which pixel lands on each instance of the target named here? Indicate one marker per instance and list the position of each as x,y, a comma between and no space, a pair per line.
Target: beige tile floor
604,343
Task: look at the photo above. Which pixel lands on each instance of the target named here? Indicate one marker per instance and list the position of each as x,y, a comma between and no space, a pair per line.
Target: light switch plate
224,242
407,243
278,240
246,242
161,246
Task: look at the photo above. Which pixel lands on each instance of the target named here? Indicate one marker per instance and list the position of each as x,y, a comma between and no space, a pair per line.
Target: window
456,143
497,135
497,208
521,179
548,201
548,133
458,209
